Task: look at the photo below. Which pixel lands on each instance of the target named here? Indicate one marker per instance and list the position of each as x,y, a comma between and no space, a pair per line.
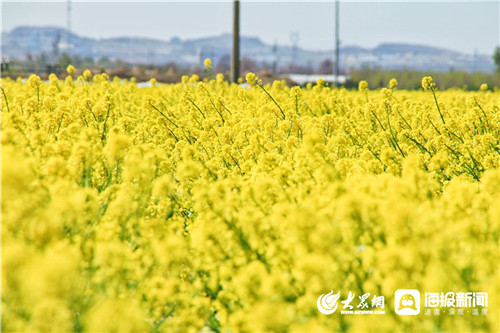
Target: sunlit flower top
427,83
251,79
208,64
70,69
87,74
393,83
363,86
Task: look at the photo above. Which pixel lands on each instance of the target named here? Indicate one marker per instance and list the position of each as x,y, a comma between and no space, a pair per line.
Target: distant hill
27,41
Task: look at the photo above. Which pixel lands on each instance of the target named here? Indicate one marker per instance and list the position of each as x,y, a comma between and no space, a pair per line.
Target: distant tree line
411,79
496,58
171,72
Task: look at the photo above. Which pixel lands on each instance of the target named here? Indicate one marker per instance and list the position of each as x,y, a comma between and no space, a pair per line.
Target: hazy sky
458,25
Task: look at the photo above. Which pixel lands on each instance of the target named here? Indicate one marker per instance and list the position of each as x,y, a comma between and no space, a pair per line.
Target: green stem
225,108
60,123
392,134
433,125
297,105
103,136
6,101
379,122
484,113
164,116
268,94
437,105
196,106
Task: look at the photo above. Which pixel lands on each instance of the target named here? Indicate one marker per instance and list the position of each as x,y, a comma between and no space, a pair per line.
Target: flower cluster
206,205
427,83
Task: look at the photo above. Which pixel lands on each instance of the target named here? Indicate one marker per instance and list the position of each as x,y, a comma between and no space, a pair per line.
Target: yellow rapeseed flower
53,78
393,83
87,74
208,64
427,83
363,86
251,78
34,80
194,78
70,69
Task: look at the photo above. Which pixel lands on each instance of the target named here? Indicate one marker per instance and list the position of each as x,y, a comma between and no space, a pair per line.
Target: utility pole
235,61
68,27
337,49
294,38
275,60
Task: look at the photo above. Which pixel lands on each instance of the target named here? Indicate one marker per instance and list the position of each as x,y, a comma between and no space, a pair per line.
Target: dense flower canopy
210,205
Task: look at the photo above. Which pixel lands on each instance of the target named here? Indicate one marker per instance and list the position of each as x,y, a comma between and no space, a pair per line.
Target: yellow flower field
210,206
